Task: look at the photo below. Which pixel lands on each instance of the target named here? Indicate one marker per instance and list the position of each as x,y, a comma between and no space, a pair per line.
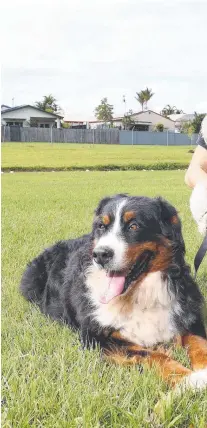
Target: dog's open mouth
115,286
119,282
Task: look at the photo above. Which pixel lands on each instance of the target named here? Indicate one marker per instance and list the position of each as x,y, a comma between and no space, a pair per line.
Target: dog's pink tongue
115,287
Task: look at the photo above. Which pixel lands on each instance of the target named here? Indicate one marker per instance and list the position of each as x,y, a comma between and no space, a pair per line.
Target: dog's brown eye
133,226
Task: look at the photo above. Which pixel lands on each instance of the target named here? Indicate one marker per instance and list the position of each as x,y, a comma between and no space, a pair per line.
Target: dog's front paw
196,381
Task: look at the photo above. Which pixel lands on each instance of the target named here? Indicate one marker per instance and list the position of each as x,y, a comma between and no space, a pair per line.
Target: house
76,124
95,124
180,119
27,115
4,107
148,119
142,121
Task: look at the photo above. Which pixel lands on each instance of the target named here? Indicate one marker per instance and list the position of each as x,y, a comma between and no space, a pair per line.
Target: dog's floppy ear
170,222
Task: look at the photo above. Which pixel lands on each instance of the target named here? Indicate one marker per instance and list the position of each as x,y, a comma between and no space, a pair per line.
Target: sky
84,50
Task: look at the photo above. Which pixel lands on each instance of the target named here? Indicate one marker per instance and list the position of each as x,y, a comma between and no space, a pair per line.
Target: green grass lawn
38,156
47,380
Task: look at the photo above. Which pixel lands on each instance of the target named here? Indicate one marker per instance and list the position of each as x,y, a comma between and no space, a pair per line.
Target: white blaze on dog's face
112,240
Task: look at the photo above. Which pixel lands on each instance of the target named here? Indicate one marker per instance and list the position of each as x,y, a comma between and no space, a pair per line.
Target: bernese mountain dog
127,288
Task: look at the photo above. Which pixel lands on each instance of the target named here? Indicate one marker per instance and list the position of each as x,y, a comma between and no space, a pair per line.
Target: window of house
44,125
14,124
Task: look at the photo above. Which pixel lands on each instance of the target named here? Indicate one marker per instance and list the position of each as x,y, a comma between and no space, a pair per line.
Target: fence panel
62,135
5,133
156,138
96,136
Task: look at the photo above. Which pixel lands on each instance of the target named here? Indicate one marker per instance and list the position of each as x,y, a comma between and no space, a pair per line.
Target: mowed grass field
47,379
39,156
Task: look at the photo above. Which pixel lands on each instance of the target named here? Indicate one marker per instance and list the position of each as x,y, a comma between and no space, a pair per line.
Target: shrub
159,127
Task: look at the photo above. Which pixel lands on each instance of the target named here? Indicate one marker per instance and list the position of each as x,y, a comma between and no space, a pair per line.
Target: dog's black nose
103,255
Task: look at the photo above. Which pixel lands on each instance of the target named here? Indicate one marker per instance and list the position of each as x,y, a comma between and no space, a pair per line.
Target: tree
193,126
144,96
104,111
197,121
178,111
167,110
148,94
127,121
65,125
32,123
159,127
49,104
140,98
187,128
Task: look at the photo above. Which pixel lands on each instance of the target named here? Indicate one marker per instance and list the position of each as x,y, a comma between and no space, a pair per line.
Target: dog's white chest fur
148,320
148,327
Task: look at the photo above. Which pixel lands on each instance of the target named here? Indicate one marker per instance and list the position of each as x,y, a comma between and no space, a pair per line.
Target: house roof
28,105
120,118
74,121
102,121
150,111
182,117
4,108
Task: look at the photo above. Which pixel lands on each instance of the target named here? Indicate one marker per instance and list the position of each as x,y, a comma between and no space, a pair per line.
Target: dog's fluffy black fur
57,279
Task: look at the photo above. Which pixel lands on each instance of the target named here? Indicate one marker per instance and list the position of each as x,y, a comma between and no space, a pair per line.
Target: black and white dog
126,287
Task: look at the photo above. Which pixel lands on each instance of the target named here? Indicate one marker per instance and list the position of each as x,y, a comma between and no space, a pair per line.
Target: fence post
3,133
51,134
133,136
167,138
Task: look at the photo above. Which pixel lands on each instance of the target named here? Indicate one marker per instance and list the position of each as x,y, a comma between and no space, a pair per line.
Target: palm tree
48,104
167,110
144,96
140,98
148,94
178,111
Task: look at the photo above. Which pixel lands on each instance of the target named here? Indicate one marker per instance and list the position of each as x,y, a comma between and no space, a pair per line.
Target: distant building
76,124
27,115
4,107
142,121
95,124
180,119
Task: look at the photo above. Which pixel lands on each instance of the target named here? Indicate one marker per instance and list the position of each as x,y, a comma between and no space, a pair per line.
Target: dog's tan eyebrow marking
174,219
106,219
129,215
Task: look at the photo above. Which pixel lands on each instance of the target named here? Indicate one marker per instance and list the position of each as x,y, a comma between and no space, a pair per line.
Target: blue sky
82,51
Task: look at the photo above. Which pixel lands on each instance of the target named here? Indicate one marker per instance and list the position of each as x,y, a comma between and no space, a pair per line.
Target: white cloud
82,51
